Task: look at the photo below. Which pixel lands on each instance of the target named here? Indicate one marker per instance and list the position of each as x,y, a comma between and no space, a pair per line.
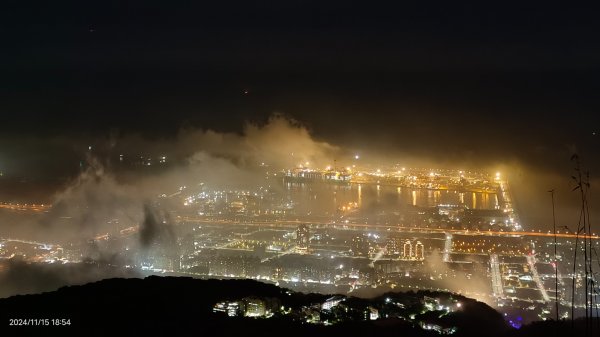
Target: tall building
391,246
407,252
360,246
302,237
419,251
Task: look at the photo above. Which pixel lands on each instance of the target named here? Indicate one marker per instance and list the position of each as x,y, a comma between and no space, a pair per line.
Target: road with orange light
395,228
292,224
25,207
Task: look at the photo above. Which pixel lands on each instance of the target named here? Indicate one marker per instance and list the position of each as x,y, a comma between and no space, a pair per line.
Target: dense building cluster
380,230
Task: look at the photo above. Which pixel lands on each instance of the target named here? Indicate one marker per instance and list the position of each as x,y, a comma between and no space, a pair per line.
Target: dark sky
489,81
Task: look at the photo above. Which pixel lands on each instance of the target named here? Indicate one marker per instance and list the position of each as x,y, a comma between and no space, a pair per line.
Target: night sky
479,82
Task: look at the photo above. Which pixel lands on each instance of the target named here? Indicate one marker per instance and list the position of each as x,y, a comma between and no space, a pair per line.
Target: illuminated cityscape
299,168
454,231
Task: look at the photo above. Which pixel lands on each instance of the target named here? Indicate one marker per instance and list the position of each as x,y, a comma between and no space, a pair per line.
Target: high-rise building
419,251
360,246
407,252
391,246
302,237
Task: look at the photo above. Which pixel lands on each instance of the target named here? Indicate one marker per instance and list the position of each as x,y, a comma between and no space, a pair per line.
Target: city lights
299,168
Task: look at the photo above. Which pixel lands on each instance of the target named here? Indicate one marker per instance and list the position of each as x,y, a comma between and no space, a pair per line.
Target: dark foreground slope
184,307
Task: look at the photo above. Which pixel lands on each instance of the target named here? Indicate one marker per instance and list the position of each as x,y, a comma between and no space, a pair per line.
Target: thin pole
555,256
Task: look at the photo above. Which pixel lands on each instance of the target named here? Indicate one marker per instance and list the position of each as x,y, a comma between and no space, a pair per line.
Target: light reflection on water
326,198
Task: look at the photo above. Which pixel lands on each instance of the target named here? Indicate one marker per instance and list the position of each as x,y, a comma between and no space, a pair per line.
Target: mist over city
317,167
